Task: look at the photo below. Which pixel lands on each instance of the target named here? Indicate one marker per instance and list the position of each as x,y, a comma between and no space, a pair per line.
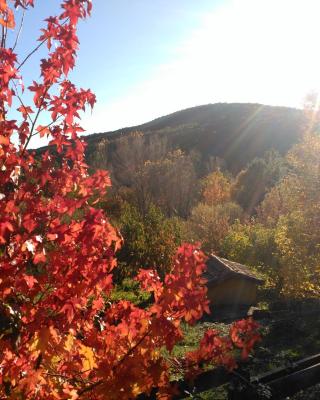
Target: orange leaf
41,339
88,358
8,19
4,140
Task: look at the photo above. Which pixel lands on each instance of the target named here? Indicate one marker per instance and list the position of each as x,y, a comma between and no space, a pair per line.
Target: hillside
235,132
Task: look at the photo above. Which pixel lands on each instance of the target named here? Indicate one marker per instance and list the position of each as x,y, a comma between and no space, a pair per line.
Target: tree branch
47,126
35,121
31,53
20,30
36,49
21,101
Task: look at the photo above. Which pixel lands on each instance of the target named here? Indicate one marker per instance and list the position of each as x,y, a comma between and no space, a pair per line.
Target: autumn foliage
60,335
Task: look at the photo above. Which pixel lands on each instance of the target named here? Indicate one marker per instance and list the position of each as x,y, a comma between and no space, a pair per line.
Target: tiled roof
220,269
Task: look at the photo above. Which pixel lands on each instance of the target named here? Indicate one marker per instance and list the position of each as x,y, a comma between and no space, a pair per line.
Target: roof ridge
225,268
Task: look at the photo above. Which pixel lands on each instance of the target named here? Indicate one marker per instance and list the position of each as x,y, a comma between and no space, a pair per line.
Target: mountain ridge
235,132
149,124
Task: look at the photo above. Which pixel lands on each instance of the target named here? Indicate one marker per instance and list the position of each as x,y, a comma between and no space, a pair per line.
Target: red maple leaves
61,337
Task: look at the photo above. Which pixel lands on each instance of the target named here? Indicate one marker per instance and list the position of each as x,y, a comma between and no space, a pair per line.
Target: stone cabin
230,283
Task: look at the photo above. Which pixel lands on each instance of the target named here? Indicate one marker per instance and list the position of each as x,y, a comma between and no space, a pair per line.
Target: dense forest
232,177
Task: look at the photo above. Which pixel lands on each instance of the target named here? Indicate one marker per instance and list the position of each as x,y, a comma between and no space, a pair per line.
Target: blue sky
147,58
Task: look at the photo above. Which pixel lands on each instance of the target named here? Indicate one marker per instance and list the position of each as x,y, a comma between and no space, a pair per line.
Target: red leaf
29,224
30,280
39,257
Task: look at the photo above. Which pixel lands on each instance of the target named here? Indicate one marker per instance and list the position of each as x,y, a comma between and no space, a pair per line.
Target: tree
172,183
216,189
261,174
290,212
297,227
212,217
297,240
61,337
279,201
154,175
254,244
210,224
131,152
149,240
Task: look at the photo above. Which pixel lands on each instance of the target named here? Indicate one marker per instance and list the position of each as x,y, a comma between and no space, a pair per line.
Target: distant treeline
236,133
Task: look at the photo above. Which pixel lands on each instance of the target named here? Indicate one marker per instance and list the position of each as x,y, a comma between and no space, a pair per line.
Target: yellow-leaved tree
292,208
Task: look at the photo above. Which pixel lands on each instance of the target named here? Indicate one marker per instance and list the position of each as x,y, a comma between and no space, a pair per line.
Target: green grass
129,290
193,334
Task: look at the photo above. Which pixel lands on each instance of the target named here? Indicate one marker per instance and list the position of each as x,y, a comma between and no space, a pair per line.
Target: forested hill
236,133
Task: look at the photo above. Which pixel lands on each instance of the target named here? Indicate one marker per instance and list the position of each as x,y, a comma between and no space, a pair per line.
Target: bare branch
31,53
21,101
2,36
35,121
47,126
20,30
36,49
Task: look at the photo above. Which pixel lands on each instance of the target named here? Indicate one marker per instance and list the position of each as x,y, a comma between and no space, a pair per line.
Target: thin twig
36,49
20,30
5,35
47,126
2,36
31,53
35,121
21,101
